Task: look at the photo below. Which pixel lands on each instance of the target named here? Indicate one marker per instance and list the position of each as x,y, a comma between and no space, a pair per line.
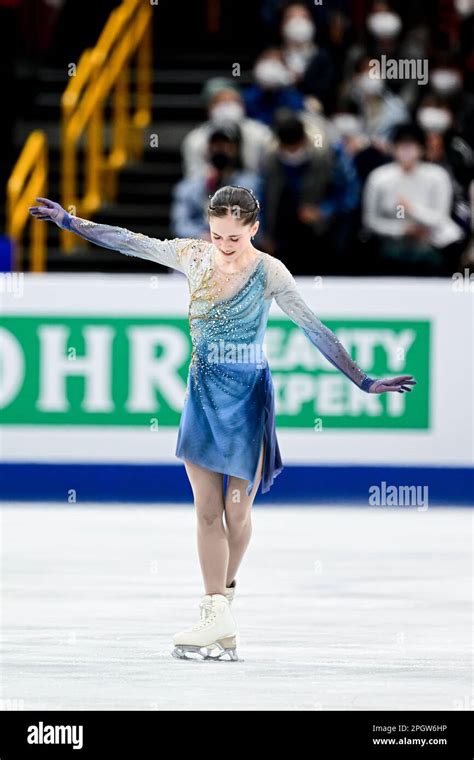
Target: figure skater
227,425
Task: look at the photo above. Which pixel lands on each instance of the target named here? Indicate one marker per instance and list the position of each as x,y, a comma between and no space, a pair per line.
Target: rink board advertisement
93,375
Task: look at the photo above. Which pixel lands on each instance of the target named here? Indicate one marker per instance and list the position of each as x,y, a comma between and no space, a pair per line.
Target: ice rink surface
338,608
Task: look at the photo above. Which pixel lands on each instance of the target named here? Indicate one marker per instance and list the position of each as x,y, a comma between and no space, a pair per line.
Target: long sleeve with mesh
282,286
171,253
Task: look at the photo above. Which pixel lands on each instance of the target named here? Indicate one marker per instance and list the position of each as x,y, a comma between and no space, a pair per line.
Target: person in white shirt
407,206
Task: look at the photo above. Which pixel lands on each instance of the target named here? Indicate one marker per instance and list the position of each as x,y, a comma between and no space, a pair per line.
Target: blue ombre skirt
229,412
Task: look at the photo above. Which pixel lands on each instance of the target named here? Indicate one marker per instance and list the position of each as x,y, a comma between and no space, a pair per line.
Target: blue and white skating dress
229,409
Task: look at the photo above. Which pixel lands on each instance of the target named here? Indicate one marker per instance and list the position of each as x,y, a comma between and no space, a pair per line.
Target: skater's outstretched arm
171,253
282,286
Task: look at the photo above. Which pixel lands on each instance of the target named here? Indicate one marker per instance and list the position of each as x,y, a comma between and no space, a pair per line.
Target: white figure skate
213,638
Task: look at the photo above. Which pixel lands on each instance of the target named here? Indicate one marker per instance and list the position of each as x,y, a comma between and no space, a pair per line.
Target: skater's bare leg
238,508
213,548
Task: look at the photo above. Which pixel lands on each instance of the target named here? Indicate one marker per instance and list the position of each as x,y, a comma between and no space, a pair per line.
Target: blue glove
399,383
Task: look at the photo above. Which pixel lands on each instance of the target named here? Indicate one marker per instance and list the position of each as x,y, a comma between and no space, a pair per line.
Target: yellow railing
28,180
102,72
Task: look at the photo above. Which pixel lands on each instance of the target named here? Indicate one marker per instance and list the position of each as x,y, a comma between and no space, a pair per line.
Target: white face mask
433,119
294,158
369,85
464,7
347,124
384,24
225,112
299,29
445,81
272,74
297,60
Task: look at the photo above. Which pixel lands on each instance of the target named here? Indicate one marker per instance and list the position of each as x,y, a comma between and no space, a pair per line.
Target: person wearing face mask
379,109
386,37
446,148
407,205
446,83
273,88
311,65
225,106
309,197
444,145
188,218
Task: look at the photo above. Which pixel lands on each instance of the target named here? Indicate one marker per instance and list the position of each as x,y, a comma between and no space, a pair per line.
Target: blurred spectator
316,127
333,20
446,83
309,198
273,88
224,106
407,205
383,28
385,37
379,108
444,145
365,153
224,167
447,149
310,65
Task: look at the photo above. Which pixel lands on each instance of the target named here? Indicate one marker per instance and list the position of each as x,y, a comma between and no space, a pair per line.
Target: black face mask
221,160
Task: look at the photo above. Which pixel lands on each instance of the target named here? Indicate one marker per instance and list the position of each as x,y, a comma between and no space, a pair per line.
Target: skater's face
230,236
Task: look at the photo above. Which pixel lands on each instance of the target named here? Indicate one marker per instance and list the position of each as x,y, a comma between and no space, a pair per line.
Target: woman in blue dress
227,426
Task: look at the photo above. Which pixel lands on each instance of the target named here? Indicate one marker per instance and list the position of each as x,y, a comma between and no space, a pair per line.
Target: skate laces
208,614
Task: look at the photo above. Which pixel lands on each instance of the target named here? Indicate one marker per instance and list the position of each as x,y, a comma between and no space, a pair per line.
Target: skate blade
222,651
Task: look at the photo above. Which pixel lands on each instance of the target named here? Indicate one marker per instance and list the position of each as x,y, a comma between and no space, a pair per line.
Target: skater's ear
254,228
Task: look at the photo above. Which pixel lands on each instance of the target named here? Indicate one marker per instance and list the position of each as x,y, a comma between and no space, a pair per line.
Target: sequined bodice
225,284
227,312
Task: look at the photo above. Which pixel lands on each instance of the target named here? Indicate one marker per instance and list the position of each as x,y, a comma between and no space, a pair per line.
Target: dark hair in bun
238,201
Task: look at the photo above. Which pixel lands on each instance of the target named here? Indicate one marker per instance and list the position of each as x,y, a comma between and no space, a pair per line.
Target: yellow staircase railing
27,181
103,72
